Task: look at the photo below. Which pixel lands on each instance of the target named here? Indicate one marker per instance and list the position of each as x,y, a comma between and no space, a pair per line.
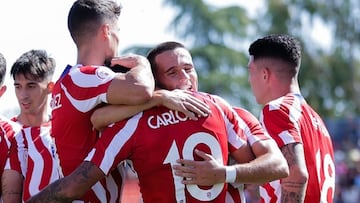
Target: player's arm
293,187
209,172
11,183
71,187
268,165
265,149
12,178
178,100
133,87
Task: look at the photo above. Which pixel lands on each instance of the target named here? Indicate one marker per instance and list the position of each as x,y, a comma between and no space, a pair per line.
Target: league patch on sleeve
102,73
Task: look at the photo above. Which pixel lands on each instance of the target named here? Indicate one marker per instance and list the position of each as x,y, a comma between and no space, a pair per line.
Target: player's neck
90,56
27,119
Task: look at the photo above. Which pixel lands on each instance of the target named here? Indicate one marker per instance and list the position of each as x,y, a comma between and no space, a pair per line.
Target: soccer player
94,27
172,64
8,130
297,129
33,163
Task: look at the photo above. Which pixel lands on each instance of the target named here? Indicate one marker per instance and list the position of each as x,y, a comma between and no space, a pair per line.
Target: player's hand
130,61
183,101
205,173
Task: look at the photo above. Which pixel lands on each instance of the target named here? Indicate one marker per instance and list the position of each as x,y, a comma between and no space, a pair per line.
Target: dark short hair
160,48
85,16
34,64
279,46
2,68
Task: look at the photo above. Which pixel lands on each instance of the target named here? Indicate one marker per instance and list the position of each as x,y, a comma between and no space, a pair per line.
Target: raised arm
134,87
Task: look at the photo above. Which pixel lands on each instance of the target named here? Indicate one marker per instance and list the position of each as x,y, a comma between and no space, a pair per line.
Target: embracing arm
179,100
259,163
269,166
134,87
71,187
11,182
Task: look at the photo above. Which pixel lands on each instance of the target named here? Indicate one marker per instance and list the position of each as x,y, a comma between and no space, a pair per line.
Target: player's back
290,119
154,139
75,95
319,157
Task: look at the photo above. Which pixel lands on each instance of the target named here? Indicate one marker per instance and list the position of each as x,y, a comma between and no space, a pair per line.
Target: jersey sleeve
87,86
113,146
251,126
235,128
280,122
18,154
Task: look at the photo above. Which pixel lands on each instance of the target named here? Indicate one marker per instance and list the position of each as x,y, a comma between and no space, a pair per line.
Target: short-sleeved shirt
76,94
8,130
289,119
33,154
154,139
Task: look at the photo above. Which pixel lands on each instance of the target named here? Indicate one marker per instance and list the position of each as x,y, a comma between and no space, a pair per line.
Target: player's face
31,94
256,80
176,70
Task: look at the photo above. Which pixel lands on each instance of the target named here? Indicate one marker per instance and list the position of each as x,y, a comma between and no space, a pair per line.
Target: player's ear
266,73
2,90
105,31
50,86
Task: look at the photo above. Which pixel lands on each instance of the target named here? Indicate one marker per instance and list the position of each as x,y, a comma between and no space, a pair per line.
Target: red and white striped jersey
79,90
33,154
154,139
8,130
290,119
251,126
254,132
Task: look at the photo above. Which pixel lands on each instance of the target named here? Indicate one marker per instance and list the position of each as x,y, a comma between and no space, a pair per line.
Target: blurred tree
219,38
329,77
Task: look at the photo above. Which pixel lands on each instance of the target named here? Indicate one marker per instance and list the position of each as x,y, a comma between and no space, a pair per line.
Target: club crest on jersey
101,73
165,119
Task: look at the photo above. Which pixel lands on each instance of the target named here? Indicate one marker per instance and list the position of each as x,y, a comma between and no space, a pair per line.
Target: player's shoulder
241,111
8,125
212,97
283,103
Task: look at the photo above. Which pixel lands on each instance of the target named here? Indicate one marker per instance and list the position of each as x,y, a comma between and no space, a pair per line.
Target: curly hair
280,46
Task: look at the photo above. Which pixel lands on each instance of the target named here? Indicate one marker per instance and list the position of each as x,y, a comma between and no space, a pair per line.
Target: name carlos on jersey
165,119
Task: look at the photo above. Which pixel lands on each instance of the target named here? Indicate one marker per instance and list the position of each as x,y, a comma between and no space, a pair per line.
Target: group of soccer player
151,116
